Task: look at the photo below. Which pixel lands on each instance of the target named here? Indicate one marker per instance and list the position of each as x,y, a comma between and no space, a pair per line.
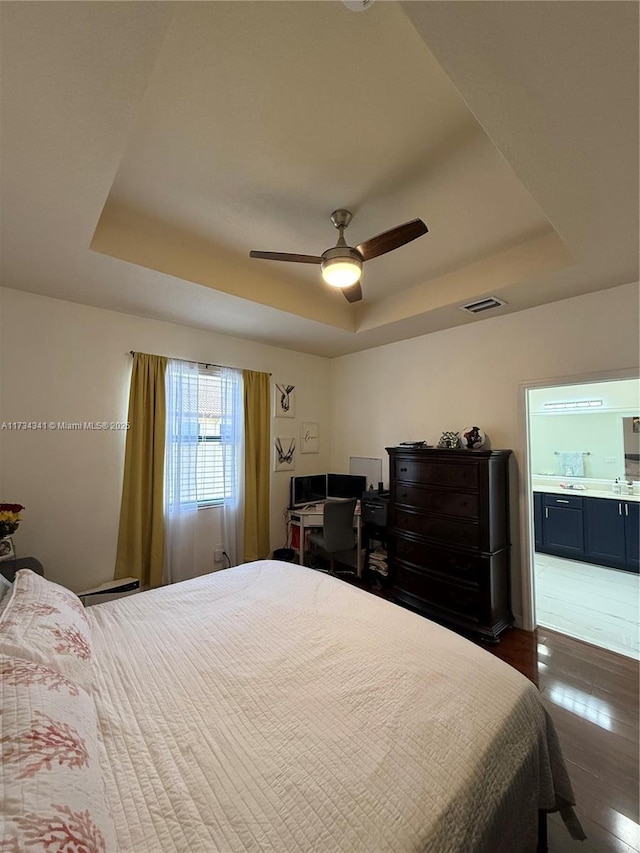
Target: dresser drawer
446,530
453,565
432,472
460,504
463,601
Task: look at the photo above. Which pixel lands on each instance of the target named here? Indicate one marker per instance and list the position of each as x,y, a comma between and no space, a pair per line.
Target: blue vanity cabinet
605,530
563,525
632,534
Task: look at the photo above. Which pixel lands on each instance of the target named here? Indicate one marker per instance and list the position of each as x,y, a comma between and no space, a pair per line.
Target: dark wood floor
592,697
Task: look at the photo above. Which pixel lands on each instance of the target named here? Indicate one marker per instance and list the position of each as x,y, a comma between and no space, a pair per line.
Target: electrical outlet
218,553
610,460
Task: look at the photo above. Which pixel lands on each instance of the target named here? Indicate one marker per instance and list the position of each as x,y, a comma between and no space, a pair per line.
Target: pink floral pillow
51,787
46,623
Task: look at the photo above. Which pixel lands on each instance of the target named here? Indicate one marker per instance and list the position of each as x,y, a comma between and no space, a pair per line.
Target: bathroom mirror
592,430
604,442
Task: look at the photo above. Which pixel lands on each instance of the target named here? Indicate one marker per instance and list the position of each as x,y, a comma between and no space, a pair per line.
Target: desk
307,517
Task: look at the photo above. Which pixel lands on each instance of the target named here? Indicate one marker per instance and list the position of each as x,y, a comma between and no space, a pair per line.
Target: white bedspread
274,708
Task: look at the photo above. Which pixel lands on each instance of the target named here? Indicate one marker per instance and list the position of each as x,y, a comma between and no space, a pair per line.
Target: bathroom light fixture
341,267
574,404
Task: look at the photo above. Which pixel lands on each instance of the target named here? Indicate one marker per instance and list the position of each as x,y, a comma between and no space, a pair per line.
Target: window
204,435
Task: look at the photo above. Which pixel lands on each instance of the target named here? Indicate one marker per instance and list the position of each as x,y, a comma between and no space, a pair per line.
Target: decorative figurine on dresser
449,544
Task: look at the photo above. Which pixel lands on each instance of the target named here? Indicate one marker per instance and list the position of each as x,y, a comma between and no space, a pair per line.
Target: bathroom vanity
591,525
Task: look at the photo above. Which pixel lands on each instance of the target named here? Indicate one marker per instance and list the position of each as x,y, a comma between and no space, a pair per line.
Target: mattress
269,707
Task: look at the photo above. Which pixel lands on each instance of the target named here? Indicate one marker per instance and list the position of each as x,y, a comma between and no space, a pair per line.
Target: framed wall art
284,454
308,437
284,400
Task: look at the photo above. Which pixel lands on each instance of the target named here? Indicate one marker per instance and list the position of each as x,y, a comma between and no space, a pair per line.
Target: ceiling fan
342,265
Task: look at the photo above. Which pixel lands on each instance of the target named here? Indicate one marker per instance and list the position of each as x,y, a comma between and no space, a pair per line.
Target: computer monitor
346,485
308,490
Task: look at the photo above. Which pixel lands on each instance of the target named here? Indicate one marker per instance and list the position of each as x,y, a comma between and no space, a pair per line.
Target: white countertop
588,492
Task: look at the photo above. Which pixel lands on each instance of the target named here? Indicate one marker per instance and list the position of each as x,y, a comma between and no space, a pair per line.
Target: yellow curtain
257,425
141,535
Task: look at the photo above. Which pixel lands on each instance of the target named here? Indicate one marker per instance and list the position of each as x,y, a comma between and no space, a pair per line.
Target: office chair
337,533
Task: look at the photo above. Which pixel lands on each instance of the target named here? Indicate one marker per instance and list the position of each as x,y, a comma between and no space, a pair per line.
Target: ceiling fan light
341,273
343,270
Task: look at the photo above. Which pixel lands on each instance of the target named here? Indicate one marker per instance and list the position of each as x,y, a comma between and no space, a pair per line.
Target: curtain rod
199,363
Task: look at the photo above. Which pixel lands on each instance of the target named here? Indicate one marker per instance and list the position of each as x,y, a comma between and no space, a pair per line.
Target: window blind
209,468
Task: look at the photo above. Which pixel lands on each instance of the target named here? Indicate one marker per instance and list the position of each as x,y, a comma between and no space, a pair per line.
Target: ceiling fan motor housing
343,252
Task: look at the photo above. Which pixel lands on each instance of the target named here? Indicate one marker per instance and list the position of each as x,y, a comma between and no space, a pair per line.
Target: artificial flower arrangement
10,517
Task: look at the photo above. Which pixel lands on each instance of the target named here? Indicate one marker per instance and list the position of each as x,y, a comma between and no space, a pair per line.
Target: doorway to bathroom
584,486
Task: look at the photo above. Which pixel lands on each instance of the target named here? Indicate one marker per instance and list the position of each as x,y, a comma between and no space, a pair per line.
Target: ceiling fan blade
353,293
392,239
285,256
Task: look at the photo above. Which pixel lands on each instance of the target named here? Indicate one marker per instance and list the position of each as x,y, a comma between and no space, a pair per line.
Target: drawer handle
561,501
403,470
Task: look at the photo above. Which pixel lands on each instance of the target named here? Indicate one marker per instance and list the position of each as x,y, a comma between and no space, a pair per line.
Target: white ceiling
146,147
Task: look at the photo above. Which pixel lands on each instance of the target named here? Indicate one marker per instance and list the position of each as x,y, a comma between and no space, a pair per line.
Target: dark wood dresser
449,544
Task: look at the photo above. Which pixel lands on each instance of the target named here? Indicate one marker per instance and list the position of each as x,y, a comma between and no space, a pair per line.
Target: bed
266,707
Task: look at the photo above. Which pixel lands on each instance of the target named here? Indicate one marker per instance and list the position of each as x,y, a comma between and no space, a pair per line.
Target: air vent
357,5
483,305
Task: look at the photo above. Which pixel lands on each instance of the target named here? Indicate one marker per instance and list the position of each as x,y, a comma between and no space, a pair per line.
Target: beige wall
60,361
473,375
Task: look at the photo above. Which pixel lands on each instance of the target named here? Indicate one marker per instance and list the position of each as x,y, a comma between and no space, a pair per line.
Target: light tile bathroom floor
592,603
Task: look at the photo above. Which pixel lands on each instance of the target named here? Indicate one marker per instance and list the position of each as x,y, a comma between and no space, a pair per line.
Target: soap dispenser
617,488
